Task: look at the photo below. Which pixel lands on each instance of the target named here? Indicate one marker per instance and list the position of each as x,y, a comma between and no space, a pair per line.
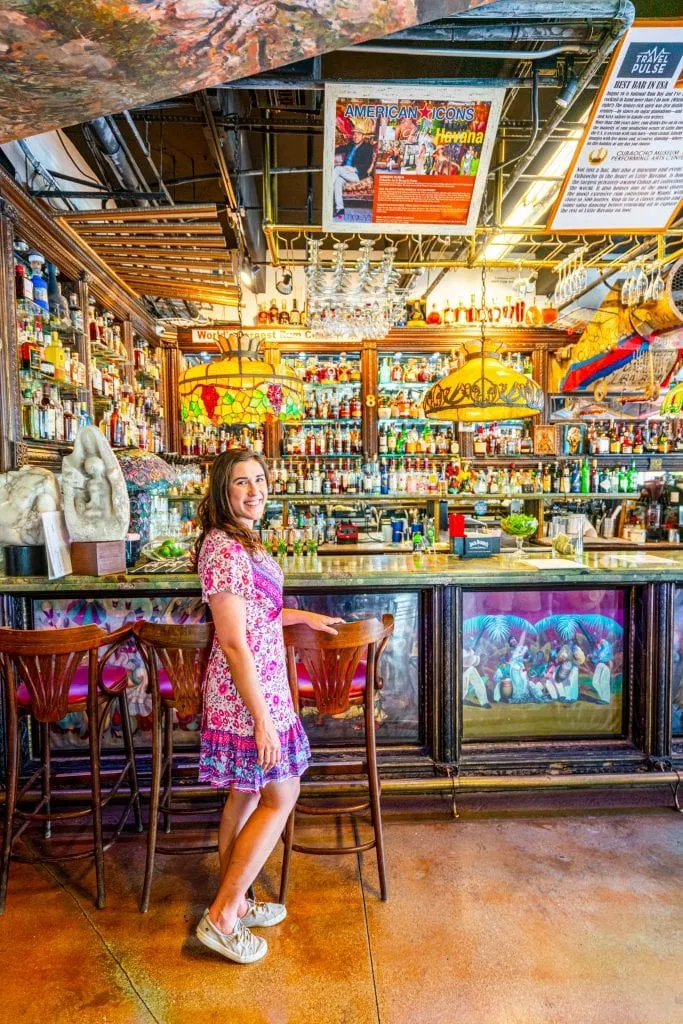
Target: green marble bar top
535,568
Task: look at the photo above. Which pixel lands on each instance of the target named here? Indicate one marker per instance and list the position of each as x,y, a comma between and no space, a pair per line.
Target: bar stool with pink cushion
176,658
332,674
44,676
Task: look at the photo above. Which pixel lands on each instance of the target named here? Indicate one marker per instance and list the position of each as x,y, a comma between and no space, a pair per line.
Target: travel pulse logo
654,61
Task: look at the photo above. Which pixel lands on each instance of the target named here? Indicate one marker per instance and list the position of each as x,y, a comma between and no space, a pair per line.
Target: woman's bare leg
250,850
237,810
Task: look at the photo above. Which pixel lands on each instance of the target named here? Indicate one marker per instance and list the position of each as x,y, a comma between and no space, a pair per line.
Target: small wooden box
98,558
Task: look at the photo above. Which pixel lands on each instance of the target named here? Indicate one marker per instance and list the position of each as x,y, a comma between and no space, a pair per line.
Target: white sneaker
241,945
263,915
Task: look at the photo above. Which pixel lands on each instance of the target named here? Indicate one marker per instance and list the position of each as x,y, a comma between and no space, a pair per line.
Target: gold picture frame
545,439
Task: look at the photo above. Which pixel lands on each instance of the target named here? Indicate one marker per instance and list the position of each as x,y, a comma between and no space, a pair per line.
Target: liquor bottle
479,442
39,283
664,442
263,317
614,441
546,480
632,478
23,284
295,315
283,315
626,440
397,371
472,309
595,477
273,312
585,485
622,480
526,445
434,316
565,480
448,314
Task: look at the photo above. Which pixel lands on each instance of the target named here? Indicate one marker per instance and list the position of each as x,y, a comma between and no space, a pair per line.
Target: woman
252,740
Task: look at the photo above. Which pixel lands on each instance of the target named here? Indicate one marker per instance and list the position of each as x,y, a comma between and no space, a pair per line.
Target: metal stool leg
96,795
152,824
168,768
45,775
11,802
374,786
287,839
129,748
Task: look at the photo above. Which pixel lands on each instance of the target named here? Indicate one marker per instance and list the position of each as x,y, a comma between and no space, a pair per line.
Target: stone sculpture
24,495
96,504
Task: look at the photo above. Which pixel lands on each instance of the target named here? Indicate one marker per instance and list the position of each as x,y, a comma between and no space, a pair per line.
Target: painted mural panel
397,703
72,731
396,706
677,681
543,664
67,61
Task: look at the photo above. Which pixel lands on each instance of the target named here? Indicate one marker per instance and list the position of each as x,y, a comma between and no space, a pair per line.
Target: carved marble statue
96,504
24,494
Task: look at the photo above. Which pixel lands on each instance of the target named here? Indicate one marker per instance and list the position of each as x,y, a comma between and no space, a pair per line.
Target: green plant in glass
520,526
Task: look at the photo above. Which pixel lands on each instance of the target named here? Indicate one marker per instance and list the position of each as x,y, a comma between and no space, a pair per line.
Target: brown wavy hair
215,512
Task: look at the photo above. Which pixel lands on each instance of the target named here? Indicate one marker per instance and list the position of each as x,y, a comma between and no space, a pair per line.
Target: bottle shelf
328,455
63,385
347,421
327,384
461,497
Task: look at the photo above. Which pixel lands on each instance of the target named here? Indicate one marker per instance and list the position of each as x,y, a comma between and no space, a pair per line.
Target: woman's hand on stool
320,623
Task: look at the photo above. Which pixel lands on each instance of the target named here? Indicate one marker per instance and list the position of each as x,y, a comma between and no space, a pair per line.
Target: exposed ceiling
211,147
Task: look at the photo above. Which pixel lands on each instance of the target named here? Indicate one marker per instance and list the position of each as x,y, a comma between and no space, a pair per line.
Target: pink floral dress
228,751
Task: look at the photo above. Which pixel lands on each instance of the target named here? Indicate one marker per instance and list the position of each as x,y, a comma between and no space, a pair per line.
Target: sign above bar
202,339
398,159
205,339
627,171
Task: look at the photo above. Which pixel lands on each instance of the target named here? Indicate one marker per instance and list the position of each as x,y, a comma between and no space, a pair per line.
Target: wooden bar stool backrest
183,652
331,661
45,661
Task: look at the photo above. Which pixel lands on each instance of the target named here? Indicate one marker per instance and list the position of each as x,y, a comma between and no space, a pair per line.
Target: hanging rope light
240,388
483,389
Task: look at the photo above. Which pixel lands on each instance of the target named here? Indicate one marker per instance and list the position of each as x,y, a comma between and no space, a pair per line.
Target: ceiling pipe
237,151
156,174
459,51
111,145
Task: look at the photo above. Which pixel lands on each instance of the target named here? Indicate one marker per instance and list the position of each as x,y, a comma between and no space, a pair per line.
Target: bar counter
392,570
505,672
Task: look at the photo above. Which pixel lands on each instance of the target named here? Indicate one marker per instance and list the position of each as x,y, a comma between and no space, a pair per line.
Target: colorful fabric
228,750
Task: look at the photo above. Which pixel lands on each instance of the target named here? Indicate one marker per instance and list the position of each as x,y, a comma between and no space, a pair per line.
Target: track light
568,91
284,285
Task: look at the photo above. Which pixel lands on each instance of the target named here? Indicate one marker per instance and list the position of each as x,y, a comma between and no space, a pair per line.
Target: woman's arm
230,620
297,617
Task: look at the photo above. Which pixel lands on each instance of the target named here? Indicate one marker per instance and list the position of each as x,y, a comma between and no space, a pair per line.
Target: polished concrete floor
514,914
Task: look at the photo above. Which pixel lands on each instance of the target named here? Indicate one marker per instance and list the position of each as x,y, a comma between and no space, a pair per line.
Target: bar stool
44,676
334,673
176,658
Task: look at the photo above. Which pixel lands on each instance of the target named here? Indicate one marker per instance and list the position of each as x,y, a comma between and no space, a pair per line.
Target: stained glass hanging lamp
483,389
241,388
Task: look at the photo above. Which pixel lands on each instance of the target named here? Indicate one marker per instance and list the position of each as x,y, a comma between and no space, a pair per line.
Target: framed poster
627,172
404,157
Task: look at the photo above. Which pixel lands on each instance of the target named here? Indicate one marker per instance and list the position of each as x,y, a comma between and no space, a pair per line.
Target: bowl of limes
166,547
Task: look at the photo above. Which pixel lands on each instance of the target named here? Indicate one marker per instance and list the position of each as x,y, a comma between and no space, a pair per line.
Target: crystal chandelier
353,300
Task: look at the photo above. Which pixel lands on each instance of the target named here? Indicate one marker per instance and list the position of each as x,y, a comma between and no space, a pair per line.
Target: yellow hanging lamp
240,388
673,401
483,389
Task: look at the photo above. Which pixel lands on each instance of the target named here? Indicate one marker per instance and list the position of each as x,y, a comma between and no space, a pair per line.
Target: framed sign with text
402,157
627,172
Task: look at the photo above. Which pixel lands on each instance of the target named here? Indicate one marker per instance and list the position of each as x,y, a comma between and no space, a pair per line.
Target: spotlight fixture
568,90
284,285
